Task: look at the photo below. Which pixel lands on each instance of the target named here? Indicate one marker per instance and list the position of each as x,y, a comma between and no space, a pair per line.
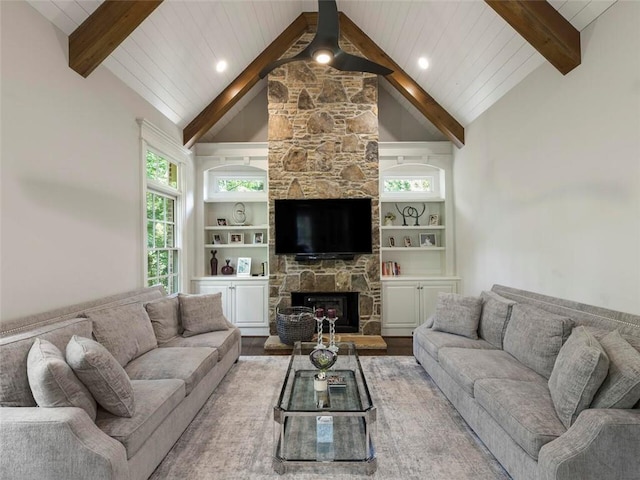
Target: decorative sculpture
411,212
214,263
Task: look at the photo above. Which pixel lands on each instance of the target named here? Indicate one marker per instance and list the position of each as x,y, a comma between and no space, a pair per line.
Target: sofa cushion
223,341
580,369
457,314
496,312
535,336
14,350
53,382
124,330
621,387
165,318
523,409
155,400
433,341
187,364
201,313
467,366
102,375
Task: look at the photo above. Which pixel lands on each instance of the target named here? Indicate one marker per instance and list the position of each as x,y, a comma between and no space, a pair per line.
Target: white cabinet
406,304
245,301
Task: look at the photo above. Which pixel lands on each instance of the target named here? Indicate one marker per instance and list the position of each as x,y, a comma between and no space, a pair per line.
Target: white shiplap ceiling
475,56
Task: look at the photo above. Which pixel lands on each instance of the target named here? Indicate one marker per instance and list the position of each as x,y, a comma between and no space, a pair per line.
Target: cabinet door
429,298
400,307
250,304
217,287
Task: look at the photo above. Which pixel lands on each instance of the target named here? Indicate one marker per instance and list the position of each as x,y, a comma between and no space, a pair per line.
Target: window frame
156,141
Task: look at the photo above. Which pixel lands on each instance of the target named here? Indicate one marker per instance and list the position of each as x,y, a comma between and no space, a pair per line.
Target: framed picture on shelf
392,242
244,267
258,237
428,240
217,239
407,241
222,222
236,238
434,219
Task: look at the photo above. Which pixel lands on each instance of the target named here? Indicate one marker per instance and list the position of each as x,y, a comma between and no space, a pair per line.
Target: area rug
419,433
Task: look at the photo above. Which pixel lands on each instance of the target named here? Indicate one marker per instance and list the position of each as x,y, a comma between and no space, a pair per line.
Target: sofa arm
602,443
54,443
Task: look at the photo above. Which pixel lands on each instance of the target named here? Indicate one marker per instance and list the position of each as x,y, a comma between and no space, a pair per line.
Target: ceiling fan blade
303,55
328,28
350,63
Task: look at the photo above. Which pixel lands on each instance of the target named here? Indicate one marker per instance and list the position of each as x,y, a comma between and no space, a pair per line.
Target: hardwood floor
395,346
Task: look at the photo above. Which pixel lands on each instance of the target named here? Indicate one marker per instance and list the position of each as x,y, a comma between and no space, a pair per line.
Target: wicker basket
295,324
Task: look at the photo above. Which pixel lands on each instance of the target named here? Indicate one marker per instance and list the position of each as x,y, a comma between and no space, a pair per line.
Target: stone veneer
323,143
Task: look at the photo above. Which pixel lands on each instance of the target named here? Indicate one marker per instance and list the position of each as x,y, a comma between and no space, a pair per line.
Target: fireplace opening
344,303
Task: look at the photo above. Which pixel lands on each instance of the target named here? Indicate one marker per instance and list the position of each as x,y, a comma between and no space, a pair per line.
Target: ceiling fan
324,47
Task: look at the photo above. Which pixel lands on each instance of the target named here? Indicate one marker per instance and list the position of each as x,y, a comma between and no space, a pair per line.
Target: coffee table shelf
338,430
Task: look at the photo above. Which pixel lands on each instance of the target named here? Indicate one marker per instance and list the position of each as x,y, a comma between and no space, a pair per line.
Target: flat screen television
314,229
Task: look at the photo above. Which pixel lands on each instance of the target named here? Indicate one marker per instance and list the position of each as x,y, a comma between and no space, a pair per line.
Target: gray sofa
509,405
171,378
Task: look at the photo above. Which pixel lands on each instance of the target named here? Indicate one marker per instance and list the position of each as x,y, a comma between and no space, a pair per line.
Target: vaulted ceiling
477,50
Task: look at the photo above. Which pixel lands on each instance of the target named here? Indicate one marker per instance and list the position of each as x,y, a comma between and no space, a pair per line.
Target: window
228,184
422,184
165,165
162,198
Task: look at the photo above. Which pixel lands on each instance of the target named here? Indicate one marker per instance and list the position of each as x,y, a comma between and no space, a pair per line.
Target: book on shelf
390,268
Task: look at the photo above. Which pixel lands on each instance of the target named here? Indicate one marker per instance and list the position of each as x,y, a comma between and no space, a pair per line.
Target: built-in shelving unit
417,254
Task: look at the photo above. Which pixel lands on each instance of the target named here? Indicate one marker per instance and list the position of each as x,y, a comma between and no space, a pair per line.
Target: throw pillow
535,336
201,313
124,330
457,314
496,312
165,318
102,375
621,388
53,382
580,369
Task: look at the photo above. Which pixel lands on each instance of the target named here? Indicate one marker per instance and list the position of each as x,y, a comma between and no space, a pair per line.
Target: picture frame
236,238
244,267
407,241
217,239
222,222
258,238
392,242
428,240
434,219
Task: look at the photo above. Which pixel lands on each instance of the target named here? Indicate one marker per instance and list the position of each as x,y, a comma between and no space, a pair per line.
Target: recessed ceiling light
221,66
423,63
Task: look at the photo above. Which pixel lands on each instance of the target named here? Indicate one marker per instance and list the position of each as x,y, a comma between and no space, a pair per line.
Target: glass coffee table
336,427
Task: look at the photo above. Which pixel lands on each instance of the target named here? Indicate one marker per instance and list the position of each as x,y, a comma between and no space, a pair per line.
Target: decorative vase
214,263
323,358
227,269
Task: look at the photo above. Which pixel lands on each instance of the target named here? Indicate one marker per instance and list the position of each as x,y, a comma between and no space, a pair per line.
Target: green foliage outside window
408,185
239,185
162,256
161,170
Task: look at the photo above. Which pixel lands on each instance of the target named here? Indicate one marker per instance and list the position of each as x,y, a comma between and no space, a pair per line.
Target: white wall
71,186
547,188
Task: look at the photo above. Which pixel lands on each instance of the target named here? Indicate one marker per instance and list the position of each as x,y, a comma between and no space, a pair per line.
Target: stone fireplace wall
323,143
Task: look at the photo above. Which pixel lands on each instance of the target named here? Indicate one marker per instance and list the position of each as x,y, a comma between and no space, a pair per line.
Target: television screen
323,228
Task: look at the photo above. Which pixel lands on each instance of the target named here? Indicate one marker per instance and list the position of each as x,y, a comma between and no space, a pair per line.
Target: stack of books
390,268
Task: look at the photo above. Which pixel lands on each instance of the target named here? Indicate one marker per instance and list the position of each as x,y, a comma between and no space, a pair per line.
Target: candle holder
320,321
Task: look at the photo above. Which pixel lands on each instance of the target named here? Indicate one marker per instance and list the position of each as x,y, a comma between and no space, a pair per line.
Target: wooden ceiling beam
420,99
544,28
243,82
104,30
402,82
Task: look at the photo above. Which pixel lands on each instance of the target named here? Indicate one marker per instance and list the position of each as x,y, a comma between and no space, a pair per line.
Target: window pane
150,235
160,235
170,236
152,264
163,265
161,170
424,184
158,207
169,207
237,185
